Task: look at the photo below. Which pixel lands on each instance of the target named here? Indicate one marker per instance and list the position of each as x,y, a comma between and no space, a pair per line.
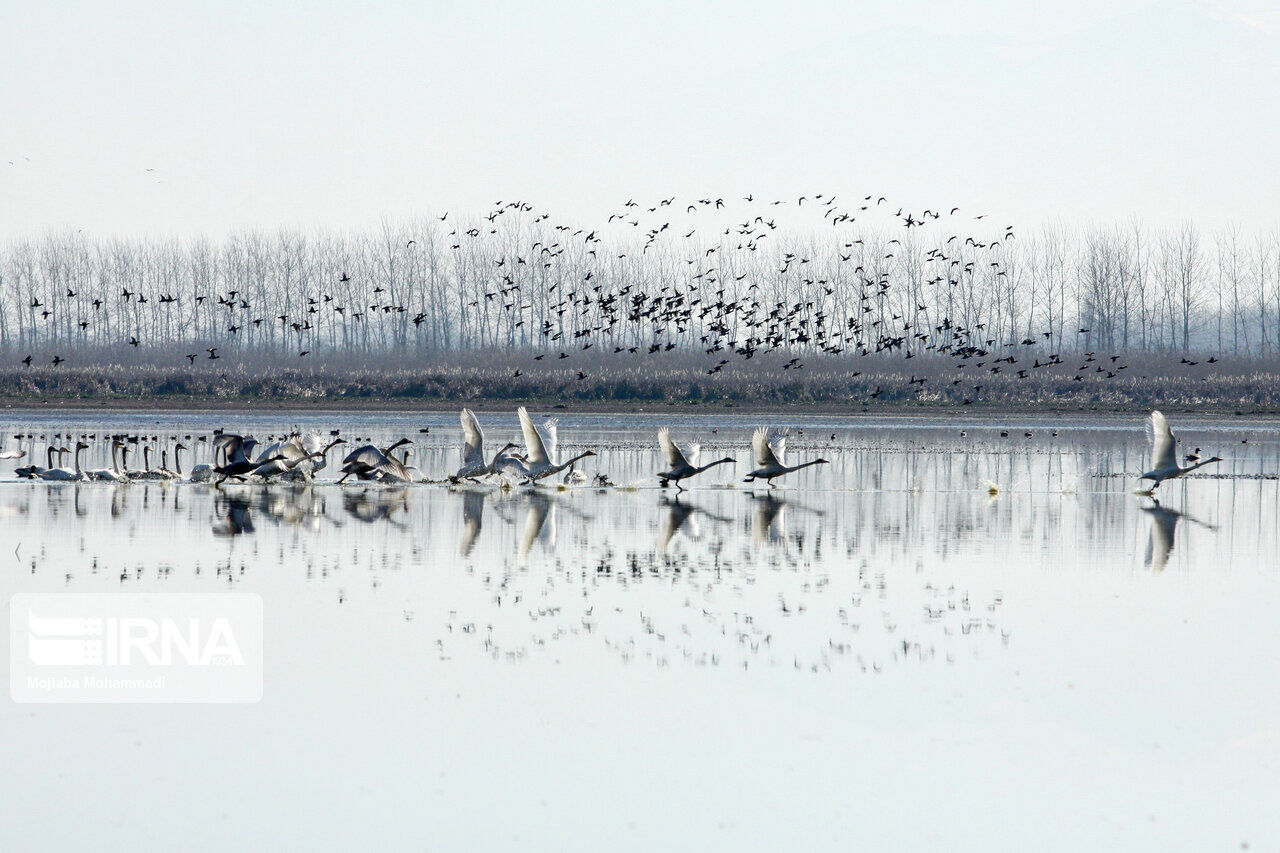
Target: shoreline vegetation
710,304
672,383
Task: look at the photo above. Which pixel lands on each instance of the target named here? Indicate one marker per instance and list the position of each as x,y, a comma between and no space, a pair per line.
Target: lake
947,638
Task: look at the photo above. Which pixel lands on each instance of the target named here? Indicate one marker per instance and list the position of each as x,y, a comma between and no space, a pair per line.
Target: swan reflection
472,519
1164,528
769,521
681,521
376,504
233,516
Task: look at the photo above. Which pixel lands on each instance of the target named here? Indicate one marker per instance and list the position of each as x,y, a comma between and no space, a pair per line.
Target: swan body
370,463
151,474
540,451
509,461
112,474
1164,456
681,465
34,471
67,475
770,449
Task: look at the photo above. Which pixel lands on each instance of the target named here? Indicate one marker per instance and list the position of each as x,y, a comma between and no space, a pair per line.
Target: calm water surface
881,655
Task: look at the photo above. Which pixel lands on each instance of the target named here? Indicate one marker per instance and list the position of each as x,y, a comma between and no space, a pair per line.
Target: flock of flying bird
725,302
300,457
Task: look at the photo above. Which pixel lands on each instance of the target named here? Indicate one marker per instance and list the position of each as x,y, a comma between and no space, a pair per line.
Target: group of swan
539,460
768,449
300,457
118,472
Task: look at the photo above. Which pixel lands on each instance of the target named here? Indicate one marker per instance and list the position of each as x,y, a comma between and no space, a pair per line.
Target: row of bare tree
429,286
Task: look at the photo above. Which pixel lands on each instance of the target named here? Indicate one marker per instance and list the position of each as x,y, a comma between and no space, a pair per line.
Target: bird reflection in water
681,521
539,523
1164,527
472,519
769,521
376,504
232,516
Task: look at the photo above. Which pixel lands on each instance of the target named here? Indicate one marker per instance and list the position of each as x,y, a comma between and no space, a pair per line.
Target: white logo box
74,647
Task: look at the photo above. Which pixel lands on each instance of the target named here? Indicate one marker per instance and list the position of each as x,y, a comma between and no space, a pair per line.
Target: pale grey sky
261,114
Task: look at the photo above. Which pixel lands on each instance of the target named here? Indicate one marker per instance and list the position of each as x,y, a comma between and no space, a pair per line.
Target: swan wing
271,450
227,442
367,455
762,449
472,440
295,451
551,431
778,444
1163,454
536,450
675,459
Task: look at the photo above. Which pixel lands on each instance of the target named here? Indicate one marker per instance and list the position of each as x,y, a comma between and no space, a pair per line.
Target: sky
187,118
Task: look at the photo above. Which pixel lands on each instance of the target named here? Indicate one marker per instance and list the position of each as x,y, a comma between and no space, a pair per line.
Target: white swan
770,449
681,465
400,471
316,459
540,451
1164,456
112,474
574,477
67,475
473,463
510,461
151,474
31,471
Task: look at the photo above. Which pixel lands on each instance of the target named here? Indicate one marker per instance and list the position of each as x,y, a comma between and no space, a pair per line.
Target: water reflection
472,519
681,520
1164,528
232,517
910,559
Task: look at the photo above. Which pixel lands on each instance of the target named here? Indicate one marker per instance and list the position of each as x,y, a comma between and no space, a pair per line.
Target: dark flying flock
715,277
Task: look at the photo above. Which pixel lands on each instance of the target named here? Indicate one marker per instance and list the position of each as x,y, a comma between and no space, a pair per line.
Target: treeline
522,282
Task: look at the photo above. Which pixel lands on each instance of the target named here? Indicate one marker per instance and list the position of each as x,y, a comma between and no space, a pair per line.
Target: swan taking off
370,463
540,453
681,465
473,464
1164,457
770,450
